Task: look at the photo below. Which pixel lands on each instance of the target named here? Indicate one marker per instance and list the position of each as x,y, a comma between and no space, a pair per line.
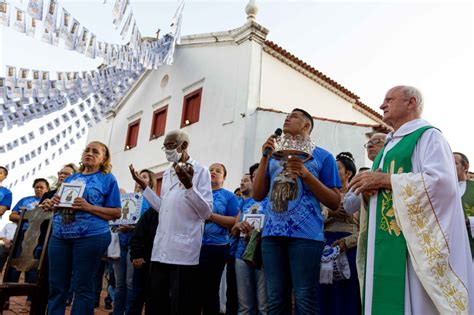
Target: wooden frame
187,117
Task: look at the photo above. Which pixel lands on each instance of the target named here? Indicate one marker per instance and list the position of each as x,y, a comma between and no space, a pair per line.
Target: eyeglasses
170,146
373,142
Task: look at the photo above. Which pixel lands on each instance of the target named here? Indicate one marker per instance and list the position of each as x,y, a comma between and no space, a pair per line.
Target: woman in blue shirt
41,186
215,241
79,241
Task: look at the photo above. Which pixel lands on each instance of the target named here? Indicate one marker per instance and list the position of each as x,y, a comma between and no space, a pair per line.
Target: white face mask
173,156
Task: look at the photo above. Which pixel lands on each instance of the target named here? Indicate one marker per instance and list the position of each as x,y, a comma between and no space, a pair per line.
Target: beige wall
284,88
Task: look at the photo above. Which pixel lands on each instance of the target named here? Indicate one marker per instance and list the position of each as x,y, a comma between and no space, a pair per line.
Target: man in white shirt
185,203
6,238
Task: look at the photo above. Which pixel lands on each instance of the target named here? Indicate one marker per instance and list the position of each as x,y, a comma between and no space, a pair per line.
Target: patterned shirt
101,190
292,209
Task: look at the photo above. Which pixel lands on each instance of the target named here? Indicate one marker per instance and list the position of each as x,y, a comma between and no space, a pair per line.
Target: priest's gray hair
411,91
180,135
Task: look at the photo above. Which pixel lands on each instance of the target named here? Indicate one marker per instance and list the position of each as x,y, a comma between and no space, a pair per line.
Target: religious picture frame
256,220
70,191
131,208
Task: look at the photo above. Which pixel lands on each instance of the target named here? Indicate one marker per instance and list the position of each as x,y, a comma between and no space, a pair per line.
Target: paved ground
18,306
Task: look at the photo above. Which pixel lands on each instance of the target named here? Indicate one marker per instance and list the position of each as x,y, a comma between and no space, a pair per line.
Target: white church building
229,91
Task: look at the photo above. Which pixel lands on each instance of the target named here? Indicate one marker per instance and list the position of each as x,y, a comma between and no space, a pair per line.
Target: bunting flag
31,94
5,13
50,16
35,9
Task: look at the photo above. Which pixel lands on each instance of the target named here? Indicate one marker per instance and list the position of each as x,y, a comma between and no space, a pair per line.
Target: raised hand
137,178
269,144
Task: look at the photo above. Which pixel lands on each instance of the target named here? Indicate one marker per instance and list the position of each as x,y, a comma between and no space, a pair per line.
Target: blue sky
366,46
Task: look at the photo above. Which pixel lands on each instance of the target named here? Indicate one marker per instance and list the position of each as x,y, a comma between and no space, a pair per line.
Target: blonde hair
106,166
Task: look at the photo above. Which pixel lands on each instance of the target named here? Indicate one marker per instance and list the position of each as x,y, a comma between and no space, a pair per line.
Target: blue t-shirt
101,190
252,206
299,214
29,203
5,197
124,238
224,203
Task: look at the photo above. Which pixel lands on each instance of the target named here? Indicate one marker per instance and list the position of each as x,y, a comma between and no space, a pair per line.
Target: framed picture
131,207
255,220
70,191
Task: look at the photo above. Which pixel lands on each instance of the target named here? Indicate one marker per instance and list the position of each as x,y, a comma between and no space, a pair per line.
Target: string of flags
55,123
28,94
65,146
88,112
71,35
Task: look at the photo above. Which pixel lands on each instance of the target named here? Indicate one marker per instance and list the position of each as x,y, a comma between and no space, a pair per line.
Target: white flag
5,13
91,47
50,16
31,30
35,9
64,26
20,21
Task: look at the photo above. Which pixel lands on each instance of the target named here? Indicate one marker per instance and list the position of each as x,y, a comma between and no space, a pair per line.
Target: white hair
180,135
411,91
379,134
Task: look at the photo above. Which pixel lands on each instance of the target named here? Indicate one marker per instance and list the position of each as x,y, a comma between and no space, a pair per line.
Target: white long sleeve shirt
182,213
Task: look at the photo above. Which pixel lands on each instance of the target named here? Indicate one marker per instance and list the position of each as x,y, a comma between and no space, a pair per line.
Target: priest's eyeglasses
373,142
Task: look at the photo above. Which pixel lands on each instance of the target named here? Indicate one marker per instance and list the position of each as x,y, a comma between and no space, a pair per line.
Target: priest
417,258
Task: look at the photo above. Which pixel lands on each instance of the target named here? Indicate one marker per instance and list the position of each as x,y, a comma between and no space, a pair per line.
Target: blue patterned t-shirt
5,197
292,209
101,190
252,206
29,203
224,203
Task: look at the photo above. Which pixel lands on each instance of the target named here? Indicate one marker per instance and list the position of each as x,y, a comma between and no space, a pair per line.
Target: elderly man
293,237
352,202
374,145
418,259
466,191
185,204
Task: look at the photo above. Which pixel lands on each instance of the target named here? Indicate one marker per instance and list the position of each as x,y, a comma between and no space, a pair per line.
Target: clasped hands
369,183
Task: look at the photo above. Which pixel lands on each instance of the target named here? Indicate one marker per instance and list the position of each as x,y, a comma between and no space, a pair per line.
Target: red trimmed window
132,135
159,122
191,108
159,182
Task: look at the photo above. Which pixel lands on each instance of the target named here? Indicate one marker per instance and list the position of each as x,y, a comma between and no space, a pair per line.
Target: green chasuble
468,206
390,256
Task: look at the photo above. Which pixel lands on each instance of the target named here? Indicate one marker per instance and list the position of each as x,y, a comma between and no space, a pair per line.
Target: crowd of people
393,239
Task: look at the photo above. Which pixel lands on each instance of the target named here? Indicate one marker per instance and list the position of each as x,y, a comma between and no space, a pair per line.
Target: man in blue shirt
293,237
5,193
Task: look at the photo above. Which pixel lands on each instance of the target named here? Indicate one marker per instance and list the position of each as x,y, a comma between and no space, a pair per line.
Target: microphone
277,133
